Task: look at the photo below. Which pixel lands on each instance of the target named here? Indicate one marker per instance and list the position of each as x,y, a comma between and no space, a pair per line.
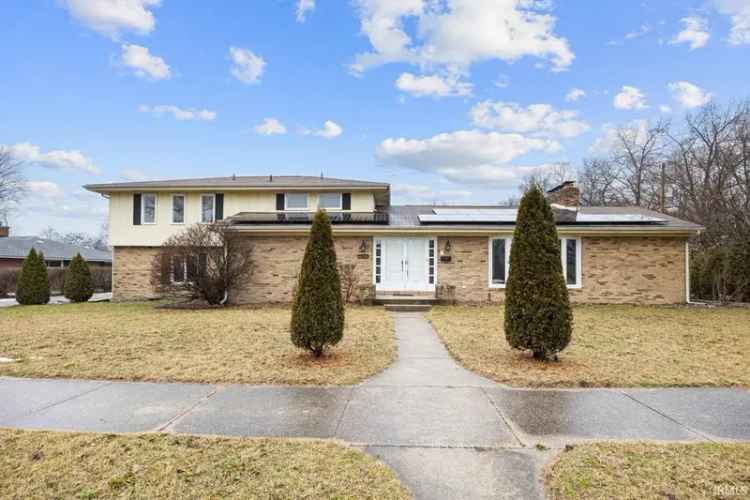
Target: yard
612,346
643,470
73,465
138,342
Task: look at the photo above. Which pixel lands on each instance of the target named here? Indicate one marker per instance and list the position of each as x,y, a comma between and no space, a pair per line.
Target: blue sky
436,97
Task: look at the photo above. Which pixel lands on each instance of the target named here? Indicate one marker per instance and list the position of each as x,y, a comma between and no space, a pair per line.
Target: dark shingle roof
240,181
18,247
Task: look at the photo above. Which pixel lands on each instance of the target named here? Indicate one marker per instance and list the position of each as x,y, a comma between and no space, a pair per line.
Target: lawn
139,342
74,465
641,470
612,346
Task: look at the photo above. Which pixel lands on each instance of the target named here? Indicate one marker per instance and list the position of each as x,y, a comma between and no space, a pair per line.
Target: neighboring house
609,255
14,249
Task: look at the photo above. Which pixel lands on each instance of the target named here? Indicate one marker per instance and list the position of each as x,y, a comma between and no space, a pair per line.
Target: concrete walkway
447,432
59,299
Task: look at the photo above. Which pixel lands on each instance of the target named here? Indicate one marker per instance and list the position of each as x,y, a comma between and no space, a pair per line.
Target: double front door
407,264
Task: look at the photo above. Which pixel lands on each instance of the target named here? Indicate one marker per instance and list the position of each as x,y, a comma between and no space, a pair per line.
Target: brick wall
276,264
614,270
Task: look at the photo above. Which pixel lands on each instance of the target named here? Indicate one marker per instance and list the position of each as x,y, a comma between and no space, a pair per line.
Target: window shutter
137,209
279,201
219,209
346,201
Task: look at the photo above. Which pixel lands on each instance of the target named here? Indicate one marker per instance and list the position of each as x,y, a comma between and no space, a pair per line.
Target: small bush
537,308
33,282
318,307
79,287
8,279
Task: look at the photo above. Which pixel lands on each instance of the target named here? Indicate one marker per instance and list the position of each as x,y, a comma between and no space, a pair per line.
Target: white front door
404,264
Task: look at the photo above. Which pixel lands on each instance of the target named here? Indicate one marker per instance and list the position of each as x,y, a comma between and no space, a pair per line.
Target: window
431,262
378,260
570,250
296,201
178,209
179,270
208,208
148,208
185,270
499,261
329,200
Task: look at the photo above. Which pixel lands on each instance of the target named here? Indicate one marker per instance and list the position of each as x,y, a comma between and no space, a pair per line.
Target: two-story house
609,255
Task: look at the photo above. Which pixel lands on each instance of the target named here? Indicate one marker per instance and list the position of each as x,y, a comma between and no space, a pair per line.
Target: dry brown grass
75,465
138,342
612,346
640,470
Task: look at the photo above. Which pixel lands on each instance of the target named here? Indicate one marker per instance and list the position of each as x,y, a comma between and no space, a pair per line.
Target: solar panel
507,212
600,218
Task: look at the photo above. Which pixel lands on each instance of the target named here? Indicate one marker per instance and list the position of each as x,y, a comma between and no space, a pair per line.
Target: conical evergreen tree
79,286
318,308
33,282
537,309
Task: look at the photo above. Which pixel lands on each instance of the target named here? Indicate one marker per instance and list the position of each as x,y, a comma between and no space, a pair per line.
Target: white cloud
540,119
303,7
111,17
575,94
645,29
636,131
55,159
330,130
270,126
134,174
433,85
179,113
45,189
422,193
630,98
739,10
143,64
247,67
689,95
502,81
665,108
465,156
695,32
454,34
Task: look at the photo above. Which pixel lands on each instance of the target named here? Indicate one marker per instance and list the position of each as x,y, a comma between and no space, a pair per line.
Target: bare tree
209,262
81,239
349,280
12,184
599,182
548,177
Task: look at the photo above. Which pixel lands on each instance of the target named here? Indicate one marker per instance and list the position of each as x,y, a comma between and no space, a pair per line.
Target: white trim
564,256
340,205
184,209
171,270
435,259
213,208
143,206
305,208
508,243
384,286
687,271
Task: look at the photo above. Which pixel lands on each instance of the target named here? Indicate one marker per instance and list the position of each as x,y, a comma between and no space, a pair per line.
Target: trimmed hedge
33,283
318,307
537,308
78,287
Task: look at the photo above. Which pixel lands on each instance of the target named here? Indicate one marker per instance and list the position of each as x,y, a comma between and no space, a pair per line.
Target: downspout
687,271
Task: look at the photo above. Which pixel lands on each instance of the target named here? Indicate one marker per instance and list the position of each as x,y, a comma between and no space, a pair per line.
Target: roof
241,182
18,247
408,216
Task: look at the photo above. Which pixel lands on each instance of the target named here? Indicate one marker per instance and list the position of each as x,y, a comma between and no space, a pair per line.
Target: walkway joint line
167,427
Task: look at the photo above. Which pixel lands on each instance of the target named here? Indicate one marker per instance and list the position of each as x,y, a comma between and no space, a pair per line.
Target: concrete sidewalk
59,299
447,432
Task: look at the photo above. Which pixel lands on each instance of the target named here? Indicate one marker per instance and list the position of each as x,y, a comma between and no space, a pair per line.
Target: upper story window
178,209
329,201
148,208
499,261
208,208
296,201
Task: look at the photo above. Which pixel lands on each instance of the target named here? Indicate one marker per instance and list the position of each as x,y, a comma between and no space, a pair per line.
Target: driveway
447,432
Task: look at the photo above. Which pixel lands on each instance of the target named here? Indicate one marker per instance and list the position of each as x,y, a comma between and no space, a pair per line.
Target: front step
408,307
405,299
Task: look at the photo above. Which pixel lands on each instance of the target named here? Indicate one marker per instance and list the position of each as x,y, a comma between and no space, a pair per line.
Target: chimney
4,231
566,194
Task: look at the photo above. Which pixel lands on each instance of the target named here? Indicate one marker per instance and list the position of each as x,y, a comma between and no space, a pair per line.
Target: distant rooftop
18,247
241,181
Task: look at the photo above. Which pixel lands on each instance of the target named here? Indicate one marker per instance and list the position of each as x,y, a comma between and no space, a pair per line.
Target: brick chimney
4,231
566,194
